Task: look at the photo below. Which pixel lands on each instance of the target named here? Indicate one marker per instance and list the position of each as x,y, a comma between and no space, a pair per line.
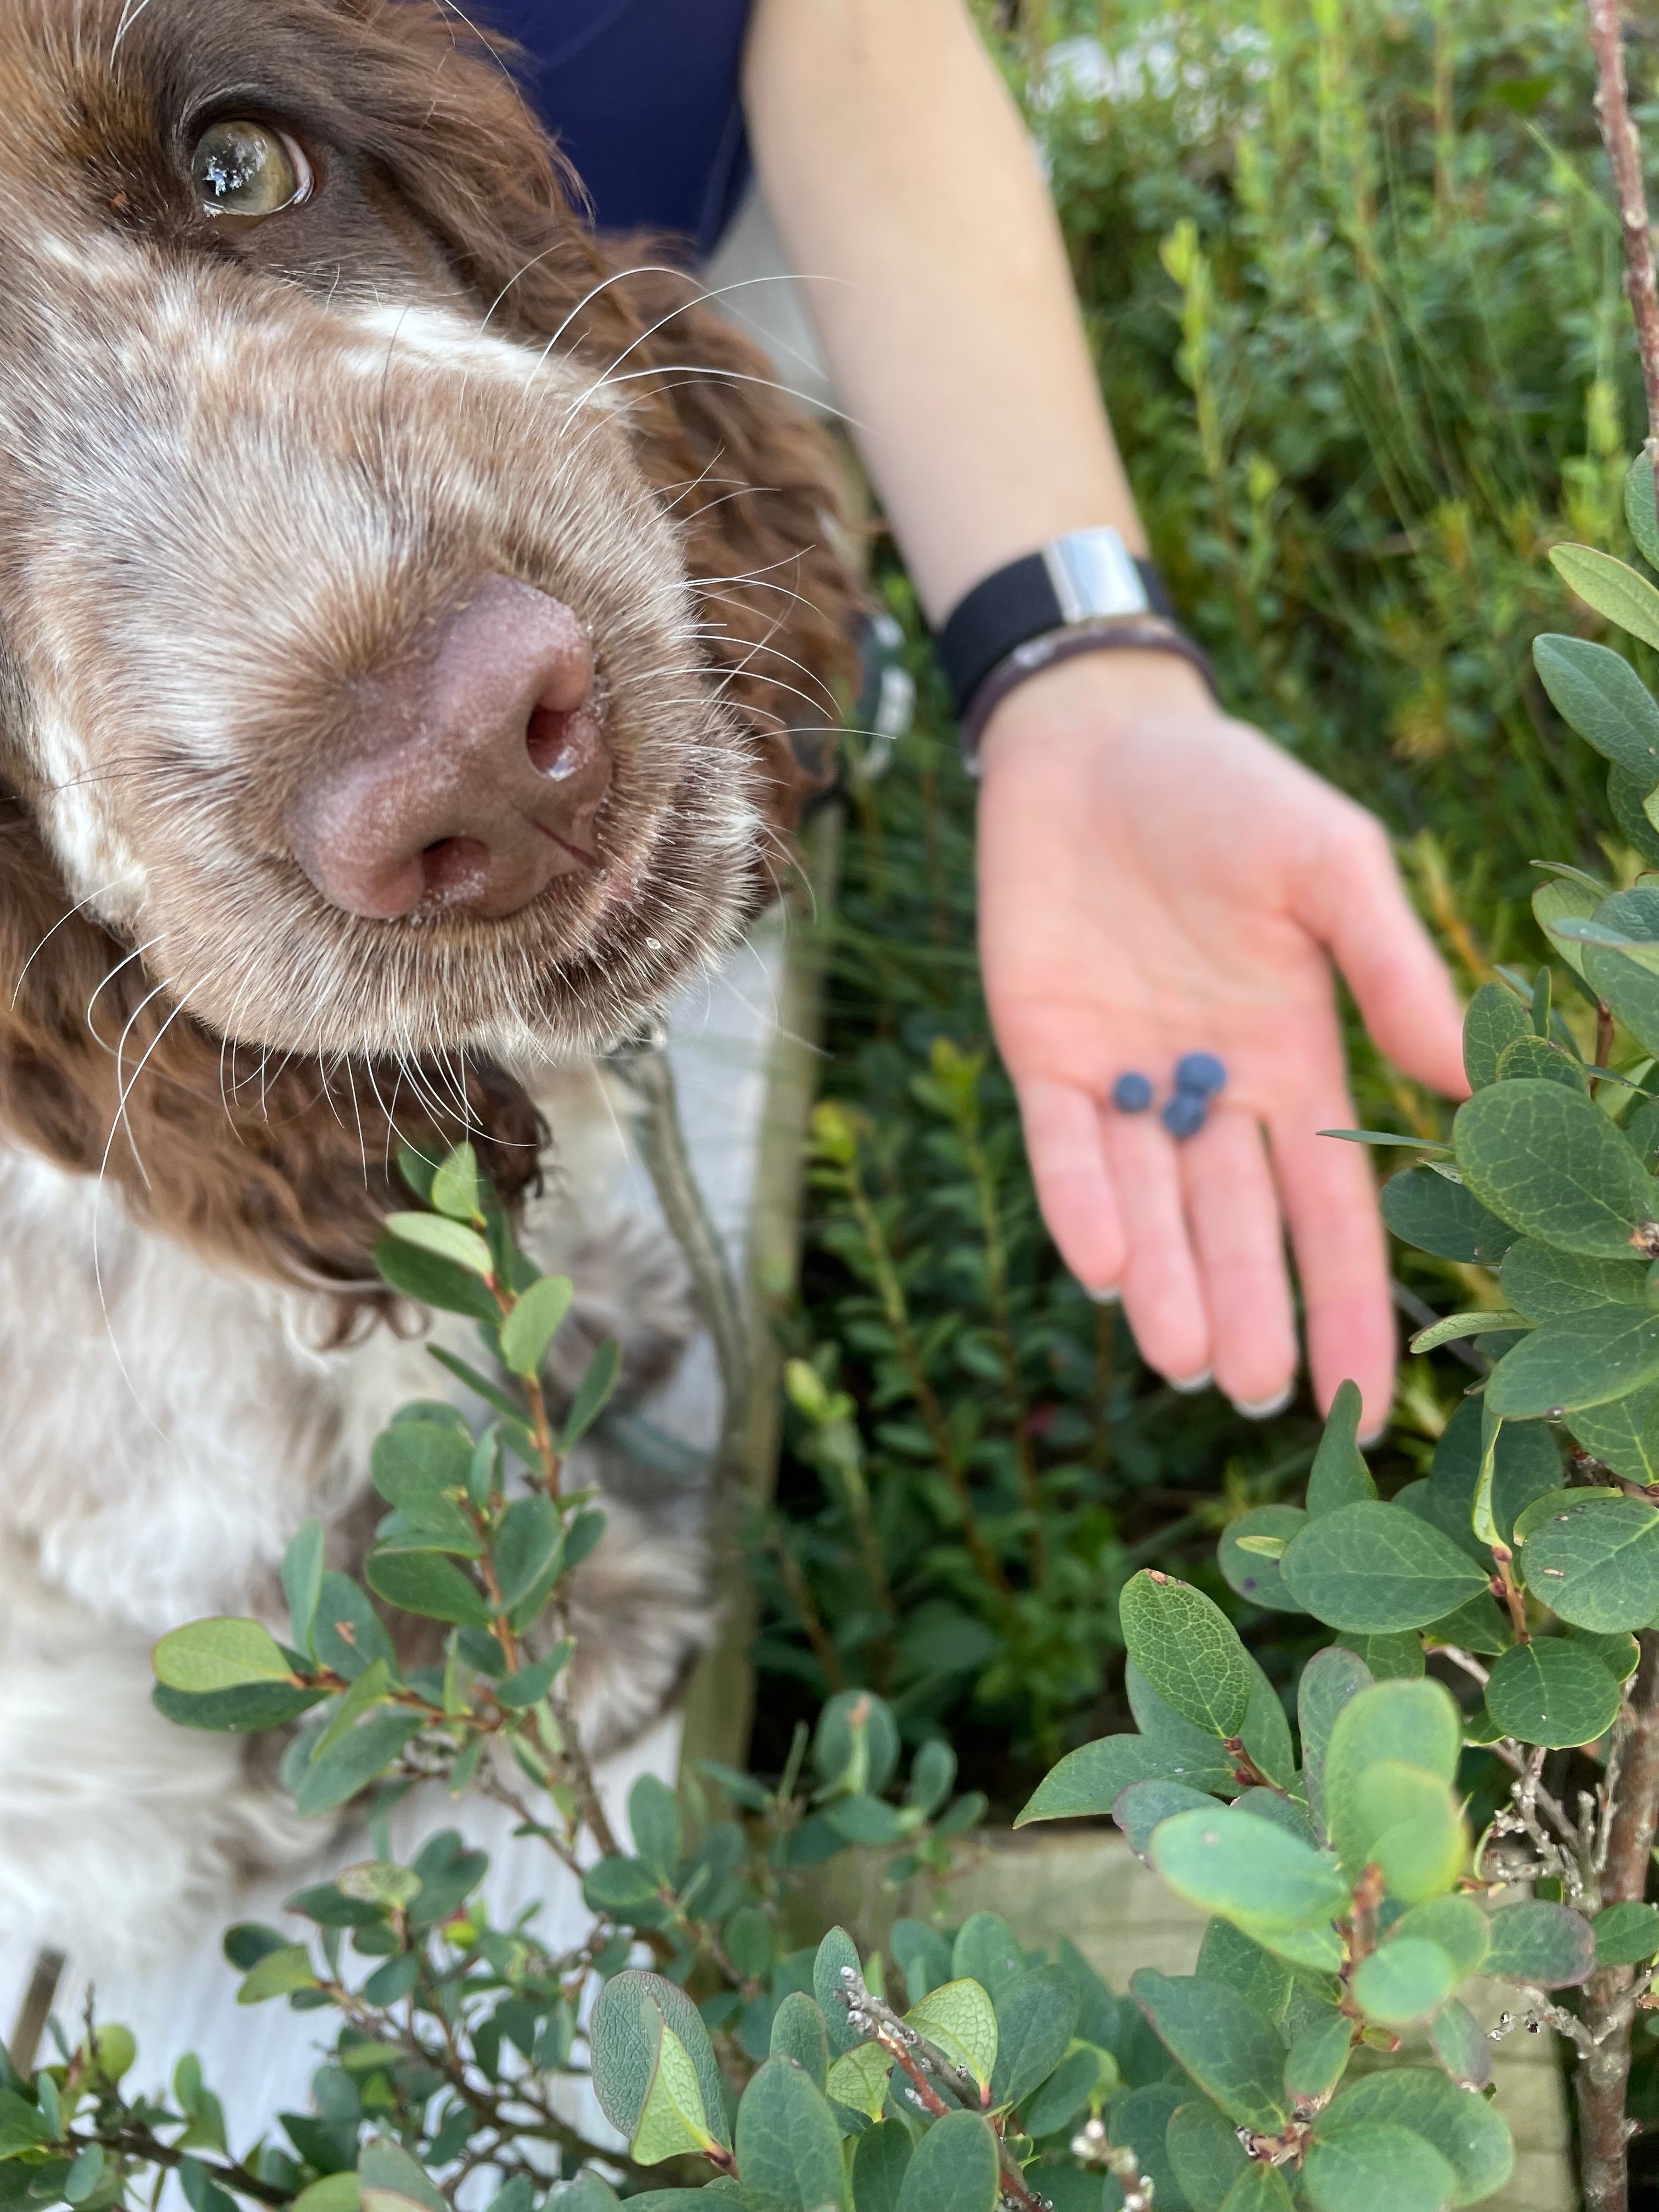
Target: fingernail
1263,1409
1110,1296
1190,1385
1369,1439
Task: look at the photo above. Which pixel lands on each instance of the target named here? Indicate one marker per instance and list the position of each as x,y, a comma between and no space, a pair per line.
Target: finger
1161,1295
1232,1207
1357,904
1341,1253
1074,1188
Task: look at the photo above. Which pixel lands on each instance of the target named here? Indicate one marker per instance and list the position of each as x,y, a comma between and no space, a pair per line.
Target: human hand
1156,879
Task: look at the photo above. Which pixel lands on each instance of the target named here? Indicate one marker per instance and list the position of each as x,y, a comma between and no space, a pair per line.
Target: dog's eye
249,169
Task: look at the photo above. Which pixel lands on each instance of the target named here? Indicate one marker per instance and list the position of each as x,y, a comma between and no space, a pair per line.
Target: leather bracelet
1104,634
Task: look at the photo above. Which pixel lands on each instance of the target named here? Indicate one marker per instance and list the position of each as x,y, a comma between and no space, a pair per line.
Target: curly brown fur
188,1019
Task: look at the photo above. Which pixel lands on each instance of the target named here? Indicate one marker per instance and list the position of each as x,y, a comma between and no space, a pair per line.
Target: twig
1625,152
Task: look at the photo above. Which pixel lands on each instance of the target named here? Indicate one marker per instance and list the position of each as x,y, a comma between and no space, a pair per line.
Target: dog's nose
469,779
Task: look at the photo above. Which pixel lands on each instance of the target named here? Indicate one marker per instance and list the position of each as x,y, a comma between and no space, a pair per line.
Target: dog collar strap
1083,592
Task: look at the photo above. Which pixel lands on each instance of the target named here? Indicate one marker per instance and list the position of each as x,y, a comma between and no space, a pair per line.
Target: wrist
1096,699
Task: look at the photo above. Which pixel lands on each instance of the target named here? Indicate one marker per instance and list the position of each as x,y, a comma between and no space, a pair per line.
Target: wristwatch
1083,592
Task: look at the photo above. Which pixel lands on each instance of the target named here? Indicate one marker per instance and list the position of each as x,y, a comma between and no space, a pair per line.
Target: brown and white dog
402,603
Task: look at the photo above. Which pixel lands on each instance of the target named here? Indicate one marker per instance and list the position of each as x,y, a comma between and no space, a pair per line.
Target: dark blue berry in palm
1201,1073
1186,1115
1131,1093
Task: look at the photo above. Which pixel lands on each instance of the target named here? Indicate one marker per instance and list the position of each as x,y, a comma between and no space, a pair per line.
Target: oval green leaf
1372,1568
1553,1692
1188,1651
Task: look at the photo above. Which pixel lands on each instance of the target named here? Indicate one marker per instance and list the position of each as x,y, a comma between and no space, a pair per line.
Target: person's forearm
897,171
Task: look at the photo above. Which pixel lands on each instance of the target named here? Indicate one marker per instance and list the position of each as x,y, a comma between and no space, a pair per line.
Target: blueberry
1201,1073
1131,1093
1186,1115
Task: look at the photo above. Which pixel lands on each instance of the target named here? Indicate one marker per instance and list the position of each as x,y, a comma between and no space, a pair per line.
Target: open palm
1156,879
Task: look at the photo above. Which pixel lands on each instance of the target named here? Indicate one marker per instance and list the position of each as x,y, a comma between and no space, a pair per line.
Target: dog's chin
578,972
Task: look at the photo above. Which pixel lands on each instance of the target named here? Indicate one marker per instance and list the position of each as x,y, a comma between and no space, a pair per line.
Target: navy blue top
643,96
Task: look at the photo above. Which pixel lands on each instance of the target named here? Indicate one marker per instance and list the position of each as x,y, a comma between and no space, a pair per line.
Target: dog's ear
287,1176
756,485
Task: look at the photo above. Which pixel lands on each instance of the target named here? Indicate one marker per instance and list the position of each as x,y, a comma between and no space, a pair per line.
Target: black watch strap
1030,598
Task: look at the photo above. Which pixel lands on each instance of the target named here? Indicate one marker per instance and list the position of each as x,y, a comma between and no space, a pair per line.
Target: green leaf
1627,795
987,1951
1339,1475
355,1761
1251,1574
1396,1657
1611,587
1231,2051
1552,1691
836,1960
277,1975
879,2164
799,2035
1404,1982
428,1584
1364,2167
1526,1463
1595,1563
1626,1934
390,2180
1459,2042
1188,1651
302,1580
959,2020
529,1685
1318,2058
1464,2129
1373,1568
1639,508
223,1654
21,2127
528,1549
85,2173
1452,1329
1458,1924
1553,1165
534,1321
1064,2098
1531,1059
349,1635
1414,1724
1597,693
1205,2152
246,1712
1432,1213
1328,1680
630,2016
788,2144
455,1187
1258,2189
1088,1782
371,1687
598,1381
1140,1808
1582,1360
1535,1941
1495,1018
445,1240
954,2168
1544,1284
1249,1870
1623,1433
859,2079
1556,902
1036,2018
1416,1834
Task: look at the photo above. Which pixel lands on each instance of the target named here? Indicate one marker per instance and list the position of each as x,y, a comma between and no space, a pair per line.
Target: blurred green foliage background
1352,280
